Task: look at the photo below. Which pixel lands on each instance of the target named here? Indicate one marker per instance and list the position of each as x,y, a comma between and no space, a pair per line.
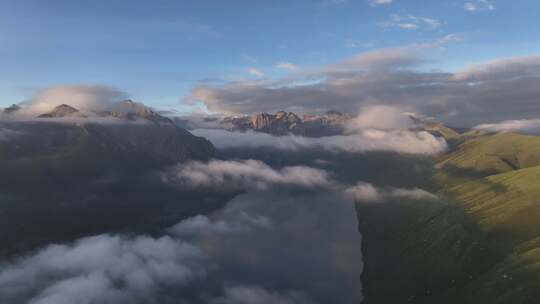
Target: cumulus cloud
286,66
243,294
243,174
402,141
382,118
82,97
102,269
367,193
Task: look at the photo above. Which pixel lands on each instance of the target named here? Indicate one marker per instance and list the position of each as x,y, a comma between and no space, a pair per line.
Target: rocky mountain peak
283,123
316,125
262,120
12,109
62,110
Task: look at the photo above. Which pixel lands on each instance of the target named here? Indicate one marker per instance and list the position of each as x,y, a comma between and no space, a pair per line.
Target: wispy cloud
286,66
479,5
351,43
529,126
245,294
411,22
380,2
256,72
367,193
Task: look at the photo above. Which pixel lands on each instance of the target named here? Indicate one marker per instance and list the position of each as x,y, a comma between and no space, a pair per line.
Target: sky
160,51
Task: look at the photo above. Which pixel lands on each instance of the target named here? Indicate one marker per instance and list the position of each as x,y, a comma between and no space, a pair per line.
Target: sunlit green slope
480,243
496,153
496,180
508,201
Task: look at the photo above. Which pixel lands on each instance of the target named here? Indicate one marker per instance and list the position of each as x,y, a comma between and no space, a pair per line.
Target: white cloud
401,141
82,97
479,5
256,72
245,294
244,174
411,22
102,269
364,192
529,126
367,193
287,66
382,118
380,2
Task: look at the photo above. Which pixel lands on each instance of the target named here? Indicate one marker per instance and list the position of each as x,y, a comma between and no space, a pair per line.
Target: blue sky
158,50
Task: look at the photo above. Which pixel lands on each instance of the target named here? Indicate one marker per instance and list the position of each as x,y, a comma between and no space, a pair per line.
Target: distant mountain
62,111
124,110
284,123
327,124
435,128
153,138
70,173
130,110
11,109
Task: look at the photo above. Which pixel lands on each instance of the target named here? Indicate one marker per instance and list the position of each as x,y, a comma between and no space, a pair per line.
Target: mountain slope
508,201
64,177
480,243
495,153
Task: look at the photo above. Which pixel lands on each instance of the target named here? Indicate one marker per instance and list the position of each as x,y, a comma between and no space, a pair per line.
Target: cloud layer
497,90
401,141
243,174
102,269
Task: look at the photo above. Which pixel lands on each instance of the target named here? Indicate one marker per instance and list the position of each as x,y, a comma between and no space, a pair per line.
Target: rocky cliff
284,123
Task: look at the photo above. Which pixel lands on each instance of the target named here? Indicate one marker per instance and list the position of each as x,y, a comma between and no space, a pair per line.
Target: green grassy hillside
479,244
487,154
508,201
506,205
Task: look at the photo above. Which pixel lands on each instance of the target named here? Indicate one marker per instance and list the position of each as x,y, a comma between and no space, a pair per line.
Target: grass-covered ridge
494,153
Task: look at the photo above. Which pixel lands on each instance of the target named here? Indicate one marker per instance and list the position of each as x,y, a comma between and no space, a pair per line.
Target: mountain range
314,125
67,145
